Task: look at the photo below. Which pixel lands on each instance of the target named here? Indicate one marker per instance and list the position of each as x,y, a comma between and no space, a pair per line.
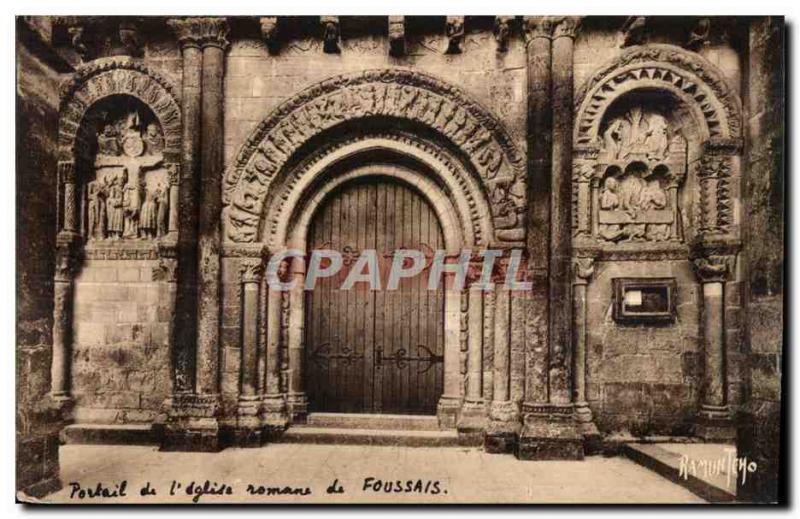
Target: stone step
350,436
668,464
374,421
109,434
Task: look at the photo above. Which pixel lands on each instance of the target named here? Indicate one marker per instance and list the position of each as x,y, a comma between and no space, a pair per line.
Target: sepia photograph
398,259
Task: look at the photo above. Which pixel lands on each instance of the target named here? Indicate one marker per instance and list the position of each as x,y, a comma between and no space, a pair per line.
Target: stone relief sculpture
127,198
641,164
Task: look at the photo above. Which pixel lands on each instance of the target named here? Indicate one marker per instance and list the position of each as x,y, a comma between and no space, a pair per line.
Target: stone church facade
637,163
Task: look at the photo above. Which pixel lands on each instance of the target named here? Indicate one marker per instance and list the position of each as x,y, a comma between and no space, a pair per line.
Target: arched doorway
374,351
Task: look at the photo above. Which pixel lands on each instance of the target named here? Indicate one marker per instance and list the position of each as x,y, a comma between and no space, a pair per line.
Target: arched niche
647,122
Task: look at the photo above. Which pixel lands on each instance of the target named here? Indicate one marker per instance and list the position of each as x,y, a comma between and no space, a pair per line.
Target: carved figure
107,141
130,204
153,139
115,209
148,217
162,199
96,211
654,197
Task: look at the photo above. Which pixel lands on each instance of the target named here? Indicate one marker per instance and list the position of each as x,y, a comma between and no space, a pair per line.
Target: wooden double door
374,351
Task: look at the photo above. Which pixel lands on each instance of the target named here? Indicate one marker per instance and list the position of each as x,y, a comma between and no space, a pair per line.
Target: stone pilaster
473,412
63,288
714,419
273,406
449,405
296,398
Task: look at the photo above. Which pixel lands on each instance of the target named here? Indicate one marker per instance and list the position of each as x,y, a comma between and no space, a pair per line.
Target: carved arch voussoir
395,93
105,77
686,74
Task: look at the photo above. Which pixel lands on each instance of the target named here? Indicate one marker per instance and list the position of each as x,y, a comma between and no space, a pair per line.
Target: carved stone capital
269,31
566,27
330,34
502,31
200,31
454,31
67,261
251,272
713,268
66,172
583,269
537,27
397,35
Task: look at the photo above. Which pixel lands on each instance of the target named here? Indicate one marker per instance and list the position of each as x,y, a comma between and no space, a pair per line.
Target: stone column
473,412
550,430
714,420
450,403
248,425
63,288
583,270
174,201
273,407
504,425
296,400
66,175
538,31
192,424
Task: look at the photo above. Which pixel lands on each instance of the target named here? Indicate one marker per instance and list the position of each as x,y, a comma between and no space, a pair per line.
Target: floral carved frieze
386,93
685,74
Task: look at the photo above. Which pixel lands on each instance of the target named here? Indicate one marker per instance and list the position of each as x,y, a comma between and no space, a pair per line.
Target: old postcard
399,259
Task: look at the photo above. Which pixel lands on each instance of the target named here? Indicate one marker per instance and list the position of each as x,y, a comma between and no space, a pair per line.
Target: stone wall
760,420
121,362
37,114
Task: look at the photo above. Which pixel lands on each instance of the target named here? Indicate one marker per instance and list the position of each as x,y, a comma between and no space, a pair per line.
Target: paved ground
463,475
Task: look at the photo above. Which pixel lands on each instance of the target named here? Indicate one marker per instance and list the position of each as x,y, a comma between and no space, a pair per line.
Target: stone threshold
377,437
667,464
374,421
110,434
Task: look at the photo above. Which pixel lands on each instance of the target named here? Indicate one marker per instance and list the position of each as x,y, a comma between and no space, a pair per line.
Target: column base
592,441
550,433
297,407
273,416
472,422
447,411
502,433
192,424
247,431
715,423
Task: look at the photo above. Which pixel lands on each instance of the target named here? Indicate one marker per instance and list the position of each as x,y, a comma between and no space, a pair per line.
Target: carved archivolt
665,67
117,76
389,93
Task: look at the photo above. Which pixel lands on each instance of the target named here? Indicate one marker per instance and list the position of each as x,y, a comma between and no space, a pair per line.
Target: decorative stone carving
715,210
167,270
633,31
699,35
394,93
537,27
502,30
583,269
713,268
252,272
269,32
685,74
121,201
129,37
454,31
330,34
566,26
200,31
397,35
636,178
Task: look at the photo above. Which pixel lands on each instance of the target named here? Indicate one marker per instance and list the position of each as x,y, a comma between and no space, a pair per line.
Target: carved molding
117,76
392,92
715,207
659,66
200,31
